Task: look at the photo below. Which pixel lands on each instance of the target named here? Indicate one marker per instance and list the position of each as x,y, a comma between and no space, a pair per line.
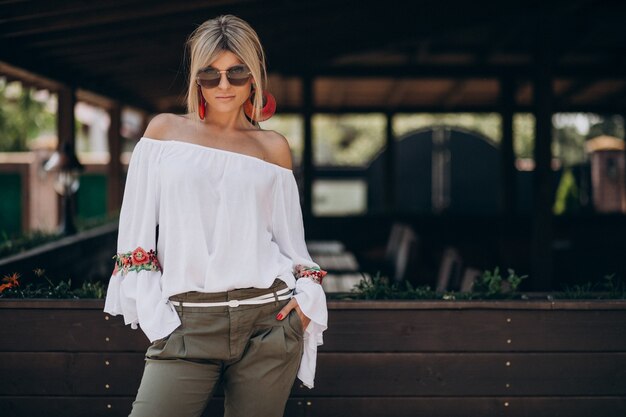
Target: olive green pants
252,354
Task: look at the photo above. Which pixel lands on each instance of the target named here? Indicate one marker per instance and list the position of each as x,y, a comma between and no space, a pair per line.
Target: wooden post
508,182
114,170
66,102
66,98
389,190
307,156
541,239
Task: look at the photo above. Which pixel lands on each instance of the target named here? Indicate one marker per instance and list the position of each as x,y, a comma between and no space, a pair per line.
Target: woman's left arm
309,299
289,234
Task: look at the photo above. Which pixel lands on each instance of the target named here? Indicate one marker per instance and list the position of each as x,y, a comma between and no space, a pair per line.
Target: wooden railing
83,257
380,358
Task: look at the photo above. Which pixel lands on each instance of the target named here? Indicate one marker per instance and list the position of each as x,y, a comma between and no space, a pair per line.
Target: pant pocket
295,323
170,347
158,348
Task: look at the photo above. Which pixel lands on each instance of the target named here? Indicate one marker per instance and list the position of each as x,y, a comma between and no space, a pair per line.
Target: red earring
201,104
267,111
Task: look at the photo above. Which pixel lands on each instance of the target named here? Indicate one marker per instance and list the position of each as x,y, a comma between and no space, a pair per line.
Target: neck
226,121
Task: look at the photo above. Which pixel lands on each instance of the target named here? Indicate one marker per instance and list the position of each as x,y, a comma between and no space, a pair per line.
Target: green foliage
567,194
568,145
568,137
46,288
348,139
91,290
379,288
524,135
22,117
609,124
491,284
577,291
376,288
611,287
616,287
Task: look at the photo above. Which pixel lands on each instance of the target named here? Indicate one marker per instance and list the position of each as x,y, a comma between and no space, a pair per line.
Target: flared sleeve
288,232
134,289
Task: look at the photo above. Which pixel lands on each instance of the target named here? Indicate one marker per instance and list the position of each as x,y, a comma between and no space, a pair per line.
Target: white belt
283,294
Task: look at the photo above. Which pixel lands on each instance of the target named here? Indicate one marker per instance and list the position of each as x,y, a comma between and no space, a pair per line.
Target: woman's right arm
134,289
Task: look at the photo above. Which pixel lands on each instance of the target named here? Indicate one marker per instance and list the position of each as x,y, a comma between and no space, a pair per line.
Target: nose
224,83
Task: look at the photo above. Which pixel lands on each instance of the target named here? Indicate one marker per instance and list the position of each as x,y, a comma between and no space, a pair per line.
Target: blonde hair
230,33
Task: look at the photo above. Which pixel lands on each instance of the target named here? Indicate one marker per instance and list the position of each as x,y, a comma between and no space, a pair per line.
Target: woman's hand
293,303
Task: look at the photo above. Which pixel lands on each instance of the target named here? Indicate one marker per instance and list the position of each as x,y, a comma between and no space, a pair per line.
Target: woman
225,288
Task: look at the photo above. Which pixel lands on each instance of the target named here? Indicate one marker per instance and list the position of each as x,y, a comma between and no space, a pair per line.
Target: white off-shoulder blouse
226,220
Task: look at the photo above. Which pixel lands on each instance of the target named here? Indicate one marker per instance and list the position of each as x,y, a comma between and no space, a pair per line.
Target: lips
225,96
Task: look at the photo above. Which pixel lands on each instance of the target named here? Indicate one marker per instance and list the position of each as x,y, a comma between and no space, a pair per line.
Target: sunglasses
210,77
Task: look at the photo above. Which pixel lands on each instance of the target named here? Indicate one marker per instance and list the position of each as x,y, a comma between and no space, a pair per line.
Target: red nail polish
279,316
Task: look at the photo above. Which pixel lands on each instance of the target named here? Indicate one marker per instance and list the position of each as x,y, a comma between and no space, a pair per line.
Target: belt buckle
233,303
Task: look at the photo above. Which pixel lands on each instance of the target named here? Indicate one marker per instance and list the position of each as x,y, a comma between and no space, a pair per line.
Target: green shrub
610,287
379,288
490,285
46,288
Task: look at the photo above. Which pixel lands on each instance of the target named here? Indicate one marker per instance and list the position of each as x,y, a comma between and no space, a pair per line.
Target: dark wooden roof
376,55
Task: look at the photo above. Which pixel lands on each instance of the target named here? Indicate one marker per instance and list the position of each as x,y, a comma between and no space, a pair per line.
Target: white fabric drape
226,220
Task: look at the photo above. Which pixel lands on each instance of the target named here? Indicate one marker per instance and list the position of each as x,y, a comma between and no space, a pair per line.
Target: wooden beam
68,75
453,95
95,99
28,77
398,109
591,72
396,94
616,98
28,22
575,88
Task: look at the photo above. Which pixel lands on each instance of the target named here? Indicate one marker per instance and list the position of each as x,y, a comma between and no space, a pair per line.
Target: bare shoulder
161,124
278,148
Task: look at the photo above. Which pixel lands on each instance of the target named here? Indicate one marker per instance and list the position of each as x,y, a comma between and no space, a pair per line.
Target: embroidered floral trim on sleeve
136,260
313,272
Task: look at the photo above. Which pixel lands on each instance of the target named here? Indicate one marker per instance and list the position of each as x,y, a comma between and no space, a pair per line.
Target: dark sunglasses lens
209,79
238,75
209,83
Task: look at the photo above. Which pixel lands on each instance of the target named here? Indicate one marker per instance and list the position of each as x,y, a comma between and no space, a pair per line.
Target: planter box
380,358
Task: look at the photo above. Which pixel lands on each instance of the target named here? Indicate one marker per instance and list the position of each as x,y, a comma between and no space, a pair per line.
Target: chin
226,107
